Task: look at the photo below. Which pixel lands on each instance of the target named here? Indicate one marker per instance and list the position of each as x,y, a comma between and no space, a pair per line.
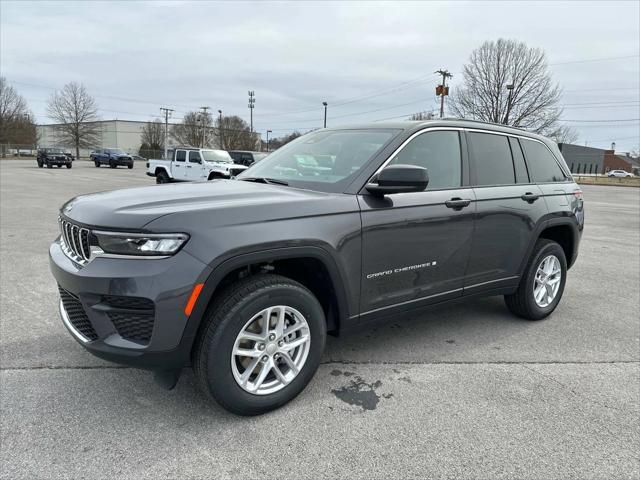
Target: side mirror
399,179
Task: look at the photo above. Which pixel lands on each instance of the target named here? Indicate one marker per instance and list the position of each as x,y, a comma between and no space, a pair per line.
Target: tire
59,165
112,165
523,303
96,163
213,359
69,165
162,177
129,167
40,165
49,165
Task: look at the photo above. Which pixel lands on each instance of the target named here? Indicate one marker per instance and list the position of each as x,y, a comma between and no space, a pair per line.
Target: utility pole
506,116
252,101
268,132
442,90
167,114
325,114
205,116
221,131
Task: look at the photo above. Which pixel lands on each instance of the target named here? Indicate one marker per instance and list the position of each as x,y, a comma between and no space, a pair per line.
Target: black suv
246,157
244,278
51,157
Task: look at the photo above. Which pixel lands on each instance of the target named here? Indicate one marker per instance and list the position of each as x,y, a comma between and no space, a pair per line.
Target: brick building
582,159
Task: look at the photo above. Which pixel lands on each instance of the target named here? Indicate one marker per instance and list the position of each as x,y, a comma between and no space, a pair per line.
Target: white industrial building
123,134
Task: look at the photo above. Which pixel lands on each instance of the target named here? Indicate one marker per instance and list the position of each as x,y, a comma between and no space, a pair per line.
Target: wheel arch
308,265
563,231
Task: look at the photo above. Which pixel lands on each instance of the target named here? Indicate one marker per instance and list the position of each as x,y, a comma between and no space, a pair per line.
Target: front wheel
261,344
69,165
40,165
49,165
542,283
129,167
96,163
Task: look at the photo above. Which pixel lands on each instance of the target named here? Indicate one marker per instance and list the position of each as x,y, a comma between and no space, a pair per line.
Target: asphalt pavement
465,391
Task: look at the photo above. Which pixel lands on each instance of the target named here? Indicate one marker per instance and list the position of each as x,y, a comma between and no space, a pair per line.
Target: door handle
530,197
457,203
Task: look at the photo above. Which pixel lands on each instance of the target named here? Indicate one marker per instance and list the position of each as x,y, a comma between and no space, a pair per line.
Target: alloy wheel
547,281
270,350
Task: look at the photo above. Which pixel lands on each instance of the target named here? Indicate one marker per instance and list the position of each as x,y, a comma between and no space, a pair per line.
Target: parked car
619,173
187,164
113,157
245,280
51,157
246,157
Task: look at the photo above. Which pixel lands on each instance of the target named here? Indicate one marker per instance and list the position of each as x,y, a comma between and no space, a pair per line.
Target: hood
184,205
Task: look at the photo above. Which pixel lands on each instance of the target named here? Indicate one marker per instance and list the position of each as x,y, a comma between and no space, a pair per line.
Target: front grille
75,241
236,171
133,317
77,316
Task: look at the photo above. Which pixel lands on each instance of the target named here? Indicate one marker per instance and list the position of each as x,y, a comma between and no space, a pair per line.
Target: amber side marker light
195,293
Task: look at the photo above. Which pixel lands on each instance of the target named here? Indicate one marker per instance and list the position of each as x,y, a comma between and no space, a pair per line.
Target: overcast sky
369,61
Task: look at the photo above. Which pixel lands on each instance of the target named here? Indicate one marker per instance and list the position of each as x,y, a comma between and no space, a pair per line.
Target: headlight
141,244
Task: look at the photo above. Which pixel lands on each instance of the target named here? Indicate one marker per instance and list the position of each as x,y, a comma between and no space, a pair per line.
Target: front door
415,246
193,167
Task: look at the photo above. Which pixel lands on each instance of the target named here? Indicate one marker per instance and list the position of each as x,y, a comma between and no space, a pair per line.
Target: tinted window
492,156
194,157
181,156
439,153
542,164
518,161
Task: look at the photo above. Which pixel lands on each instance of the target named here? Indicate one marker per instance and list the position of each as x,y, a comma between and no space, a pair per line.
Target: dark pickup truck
244,278
53,157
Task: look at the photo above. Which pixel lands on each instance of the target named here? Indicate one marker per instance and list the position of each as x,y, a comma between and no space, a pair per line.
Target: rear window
493,162
543,167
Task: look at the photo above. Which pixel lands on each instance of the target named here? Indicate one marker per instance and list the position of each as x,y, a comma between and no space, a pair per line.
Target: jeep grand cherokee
244,278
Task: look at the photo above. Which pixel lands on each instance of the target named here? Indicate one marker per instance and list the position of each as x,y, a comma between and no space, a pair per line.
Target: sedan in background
619,174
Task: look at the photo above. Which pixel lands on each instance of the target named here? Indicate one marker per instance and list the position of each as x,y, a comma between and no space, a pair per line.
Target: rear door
415,246
178,169
509,206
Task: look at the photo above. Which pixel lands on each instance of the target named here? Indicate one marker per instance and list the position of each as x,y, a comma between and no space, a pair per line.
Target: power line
605,59
611,120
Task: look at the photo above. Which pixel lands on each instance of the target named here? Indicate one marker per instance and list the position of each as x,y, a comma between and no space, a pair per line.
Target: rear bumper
130,311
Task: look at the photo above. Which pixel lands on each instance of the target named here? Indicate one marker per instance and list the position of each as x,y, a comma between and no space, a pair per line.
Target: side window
246,157
439,153
542,164
194,157
492,158
518,161
181,156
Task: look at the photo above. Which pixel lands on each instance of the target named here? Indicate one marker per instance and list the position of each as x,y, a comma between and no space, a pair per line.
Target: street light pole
268,132
221,130
325,114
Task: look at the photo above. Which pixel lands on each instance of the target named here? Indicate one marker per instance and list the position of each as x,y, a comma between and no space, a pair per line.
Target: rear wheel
261,344
542,283
162,177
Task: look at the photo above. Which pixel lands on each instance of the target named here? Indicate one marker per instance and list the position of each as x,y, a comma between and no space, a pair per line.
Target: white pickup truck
186,164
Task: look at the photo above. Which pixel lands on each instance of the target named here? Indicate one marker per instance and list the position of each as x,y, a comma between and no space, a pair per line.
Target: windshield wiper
264,180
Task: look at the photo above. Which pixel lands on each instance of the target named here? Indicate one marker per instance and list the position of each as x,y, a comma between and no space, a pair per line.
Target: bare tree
235,134
563,134
422,116
190,131
277,142
152,139
16,122
509,83
76,113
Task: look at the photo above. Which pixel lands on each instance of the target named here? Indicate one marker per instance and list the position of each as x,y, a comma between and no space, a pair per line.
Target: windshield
53,150
326,160
114,150
258,156
216,156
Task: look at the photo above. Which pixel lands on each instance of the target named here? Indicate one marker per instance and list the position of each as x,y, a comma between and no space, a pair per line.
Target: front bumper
124,161
130,311
57,161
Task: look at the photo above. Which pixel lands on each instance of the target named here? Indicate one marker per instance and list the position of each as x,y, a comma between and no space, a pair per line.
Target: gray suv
244,278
